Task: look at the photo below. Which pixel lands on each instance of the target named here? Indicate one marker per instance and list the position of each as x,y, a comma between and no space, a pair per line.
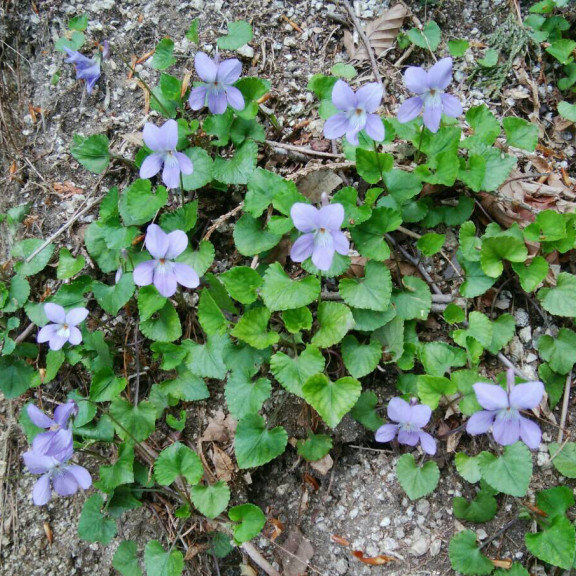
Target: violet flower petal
235,98
416,79
151,165
177,242
304,216
76,316
526,396
340,242
55,313
352,134
186,275
420,415
75,337
432,116
37,463
42,493
408,437
144,273
331,217
206,68
171,172
399,410
56,443
197,98
47,332
165,282
530,433
229,71
410,109
369,97
217,102
303,248
343,96
38,417
480,422
336,126
374,127
323,255
63,412
57,341
82,476
506,430
184,163
156,241
491,396
428,443
440,75
65,483
386,433
451,106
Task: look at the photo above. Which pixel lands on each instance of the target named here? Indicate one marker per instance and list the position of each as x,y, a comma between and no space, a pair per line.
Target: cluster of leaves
271,328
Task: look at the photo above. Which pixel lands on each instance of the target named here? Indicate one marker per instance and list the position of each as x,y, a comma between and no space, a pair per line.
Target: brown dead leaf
296,553
66,188
134,138
220,428
312,185
223,465
323,466
278,528
376,561
247,570
381,33
49,533
312,481
504,564
340,540
194,550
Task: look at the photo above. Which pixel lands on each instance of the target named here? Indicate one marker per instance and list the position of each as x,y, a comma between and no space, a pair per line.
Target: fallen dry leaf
312,481
312,185
296,553
49,533
220,428
66,188
247,570
505,564
340,540
381,33
376,561
223,465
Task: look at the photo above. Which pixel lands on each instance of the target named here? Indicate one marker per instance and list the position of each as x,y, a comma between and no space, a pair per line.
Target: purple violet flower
161,271
322,235
218,91
87,69
162,140
64,328
58,440
502,411
56,470
357,112
430,88
410,418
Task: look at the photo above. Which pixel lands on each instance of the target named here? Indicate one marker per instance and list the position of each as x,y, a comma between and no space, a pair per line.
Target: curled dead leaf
376,561
312,481
296,553
504,564
381,33
340,540
223,465
49,533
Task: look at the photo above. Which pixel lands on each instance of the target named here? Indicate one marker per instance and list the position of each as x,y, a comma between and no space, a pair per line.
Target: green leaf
105,242
251,519
559,352
210,316
183,218
454,314
515,570
360,359
415,301
417,481
163,57
252,329
427,38
121,472
207,360
555,545
353,214
339,265
560,300
251,239
138,204
468,467
368,320
520,133
162,563
432,388
149,302
79,23
244,396
567,110
92,152
369,236
242,283
69,266
439,357
25,248
372,292
280,292
482,509
501,247
238,168
265,188
203,168
509,473
391,338
293,373
490,59
112,298
106,386
335,321
371,165
531,273
255,445
125,559
562,50
503,330
364,411
178,461
498,167
465,556
16,376
465,380
211,500
239,33
94,526
332,400
476,282
133,422
17,294
346,71
192,33
431,244
75,41
564,460
315,447
297,320
164,326
458,48
555,501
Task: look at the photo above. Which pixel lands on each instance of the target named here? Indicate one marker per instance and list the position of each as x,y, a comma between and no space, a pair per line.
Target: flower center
359,111
64,330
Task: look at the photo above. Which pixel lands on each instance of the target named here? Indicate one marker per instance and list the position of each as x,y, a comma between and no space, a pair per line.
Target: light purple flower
322,235
161,271
87,69
218,91
430,88
356,112
58,440
162,140
502,411
410,418
64,328
65,477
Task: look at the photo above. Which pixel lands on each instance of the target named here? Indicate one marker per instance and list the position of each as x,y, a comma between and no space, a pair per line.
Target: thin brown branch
565,402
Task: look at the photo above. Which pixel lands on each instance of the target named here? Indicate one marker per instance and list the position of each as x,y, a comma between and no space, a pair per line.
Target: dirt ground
358,499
